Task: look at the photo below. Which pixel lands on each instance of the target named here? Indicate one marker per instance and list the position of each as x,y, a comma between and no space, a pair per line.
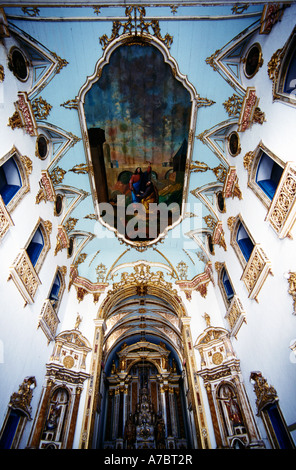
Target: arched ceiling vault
69,47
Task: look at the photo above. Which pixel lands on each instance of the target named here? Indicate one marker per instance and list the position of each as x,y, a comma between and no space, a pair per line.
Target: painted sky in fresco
143,109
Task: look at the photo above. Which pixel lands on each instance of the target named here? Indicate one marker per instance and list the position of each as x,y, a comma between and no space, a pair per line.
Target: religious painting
138,119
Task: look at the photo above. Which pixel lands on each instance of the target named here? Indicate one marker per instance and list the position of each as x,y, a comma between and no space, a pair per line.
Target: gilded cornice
141,276
199,283
84,286
46,192
24,116
211,334
61,374
272,13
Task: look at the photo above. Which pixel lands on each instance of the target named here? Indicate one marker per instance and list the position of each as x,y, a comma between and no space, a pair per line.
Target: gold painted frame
260,60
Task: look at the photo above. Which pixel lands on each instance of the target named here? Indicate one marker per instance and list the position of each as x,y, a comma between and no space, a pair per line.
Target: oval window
234,144
221,202
18,65
42,146
211,245
58,207
70,247
253,60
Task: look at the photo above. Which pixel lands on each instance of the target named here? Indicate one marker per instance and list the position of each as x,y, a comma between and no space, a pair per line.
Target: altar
145,429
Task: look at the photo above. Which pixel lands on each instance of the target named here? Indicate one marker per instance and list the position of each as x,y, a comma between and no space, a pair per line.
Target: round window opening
234,144
253,60
18,65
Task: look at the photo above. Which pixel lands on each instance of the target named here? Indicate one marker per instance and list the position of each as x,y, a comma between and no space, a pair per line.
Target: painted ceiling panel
130,102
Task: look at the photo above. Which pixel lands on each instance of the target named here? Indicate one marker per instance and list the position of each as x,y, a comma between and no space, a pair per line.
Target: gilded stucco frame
277,70
238,220
25,167
261,148
46,234
260,60
61,271
145,39
18,48
220,284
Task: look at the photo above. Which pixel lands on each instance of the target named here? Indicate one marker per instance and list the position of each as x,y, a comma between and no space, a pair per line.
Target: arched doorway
142,326
142,387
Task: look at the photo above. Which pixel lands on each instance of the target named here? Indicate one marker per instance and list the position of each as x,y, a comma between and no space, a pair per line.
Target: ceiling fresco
178,118
140,115
143,110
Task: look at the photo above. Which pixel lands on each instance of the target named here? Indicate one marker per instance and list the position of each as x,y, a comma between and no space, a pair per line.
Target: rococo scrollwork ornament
292,289
41,108
141,276
21,400
135,26
2,74
233,105
265,393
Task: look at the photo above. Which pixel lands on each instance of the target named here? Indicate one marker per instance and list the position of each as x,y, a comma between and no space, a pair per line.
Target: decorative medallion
217,358
68,362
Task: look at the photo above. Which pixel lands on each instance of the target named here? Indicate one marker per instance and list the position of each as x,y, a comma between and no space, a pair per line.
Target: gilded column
180,414
173,411
193,383
93,387
168,413
108,435
73,418
125,405
250,423
163,406
40,421
115,414
214,417
121,415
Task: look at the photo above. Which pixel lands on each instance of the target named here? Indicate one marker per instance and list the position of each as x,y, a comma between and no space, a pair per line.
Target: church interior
147,225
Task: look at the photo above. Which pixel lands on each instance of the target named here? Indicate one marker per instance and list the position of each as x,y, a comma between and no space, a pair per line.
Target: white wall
262,343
